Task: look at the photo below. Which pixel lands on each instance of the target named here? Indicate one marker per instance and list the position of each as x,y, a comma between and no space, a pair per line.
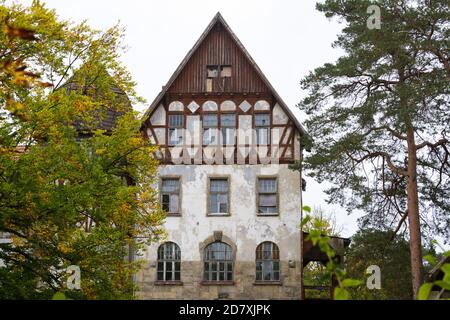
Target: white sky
286,38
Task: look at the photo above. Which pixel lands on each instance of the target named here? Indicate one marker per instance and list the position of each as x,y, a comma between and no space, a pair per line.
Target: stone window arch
218,262
267,262
169,262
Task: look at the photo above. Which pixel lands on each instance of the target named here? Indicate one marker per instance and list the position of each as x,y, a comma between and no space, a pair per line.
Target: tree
72,192
379,118
375,247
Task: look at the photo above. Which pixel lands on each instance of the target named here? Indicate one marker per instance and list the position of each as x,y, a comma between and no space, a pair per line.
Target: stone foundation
244,286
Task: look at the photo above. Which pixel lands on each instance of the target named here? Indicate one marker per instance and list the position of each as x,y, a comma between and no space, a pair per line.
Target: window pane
219,185
268,185
174,201
262,135
225,71
267,200
170,185
175,136
210,136
176,120
210,120
262,120
177,276
228,120
160,276
212,71
228,136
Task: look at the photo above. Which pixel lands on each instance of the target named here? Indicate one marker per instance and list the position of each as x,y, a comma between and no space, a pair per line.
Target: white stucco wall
243,226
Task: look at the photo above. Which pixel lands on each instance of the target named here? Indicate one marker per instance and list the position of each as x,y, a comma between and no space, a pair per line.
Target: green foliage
391,254
442,284
388,83
332,268
71,193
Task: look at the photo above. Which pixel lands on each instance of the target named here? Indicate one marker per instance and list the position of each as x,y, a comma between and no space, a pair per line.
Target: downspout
301,219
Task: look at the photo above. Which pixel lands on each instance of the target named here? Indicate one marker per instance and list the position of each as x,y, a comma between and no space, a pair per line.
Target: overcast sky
286,38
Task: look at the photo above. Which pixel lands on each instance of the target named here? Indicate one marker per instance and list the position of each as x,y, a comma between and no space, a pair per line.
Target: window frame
268,127
161,193
277,195
177,127
260,259
176,251
209,127
207,276
221,127
217,214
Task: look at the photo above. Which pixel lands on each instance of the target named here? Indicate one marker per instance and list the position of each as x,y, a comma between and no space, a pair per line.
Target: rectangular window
225,71
212,71
228,127
210,125
262,126
267,196
176,123
170,195
218,196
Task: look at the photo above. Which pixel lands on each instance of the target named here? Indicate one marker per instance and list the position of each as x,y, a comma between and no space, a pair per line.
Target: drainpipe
301,219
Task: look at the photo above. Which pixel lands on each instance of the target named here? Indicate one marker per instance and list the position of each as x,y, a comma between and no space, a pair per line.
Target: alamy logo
374,20
374,280
74,279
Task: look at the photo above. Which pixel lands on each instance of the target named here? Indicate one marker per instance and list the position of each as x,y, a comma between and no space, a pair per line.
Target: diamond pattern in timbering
193,106
245,106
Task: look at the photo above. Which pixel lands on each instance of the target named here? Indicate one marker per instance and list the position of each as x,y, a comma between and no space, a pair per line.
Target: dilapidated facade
226,139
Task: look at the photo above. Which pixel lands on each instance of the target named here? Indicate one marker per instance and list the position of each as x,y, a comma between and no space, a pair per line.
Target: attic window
213,71
225,71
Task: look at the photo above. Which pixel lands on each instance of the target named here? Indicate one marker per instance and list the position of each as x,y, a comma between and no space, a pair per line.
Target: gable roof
219,19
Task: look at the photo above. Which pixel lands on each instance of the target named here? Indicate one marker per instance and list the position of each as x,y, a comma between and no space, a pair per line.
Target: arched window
218,262
267,262
169,262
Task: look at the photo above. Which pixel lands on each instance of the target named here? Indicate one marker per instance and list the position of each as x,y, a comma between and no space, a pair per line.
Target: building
226,140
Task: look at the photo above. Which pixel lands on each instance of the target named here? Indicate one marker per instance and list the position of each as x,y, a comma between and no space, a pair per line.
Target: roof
108,119
219,19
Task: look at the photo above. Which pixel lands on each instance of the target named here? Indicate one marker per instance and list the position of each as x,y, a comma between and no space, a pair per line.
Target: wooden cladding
235,71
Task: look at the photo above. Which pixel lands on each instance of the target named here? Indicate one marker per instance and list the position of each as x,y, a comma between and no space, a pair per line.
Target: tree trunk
415,242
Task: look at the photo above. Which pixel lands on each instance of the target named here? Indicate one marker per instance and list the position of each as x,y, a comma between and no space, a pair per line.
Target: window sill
168,283
217,283
173,215
267,283
268,214
218,214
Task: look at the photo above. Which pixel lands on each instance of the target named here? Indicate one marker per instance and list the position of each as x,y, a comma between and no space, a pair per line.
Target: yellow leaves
101,151
21,33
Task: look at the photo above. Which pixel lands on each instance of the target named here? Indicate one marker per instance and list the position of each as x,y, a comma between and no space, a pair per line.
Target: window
170,195
225,71
267,262
267,196
218,196
228,124
262,125
212,71
169,262
210,129
176,123
218,262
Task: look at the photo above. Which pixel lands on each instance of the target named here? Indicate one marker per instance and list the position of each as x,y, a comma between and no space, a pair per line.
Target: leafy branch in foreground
333,269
